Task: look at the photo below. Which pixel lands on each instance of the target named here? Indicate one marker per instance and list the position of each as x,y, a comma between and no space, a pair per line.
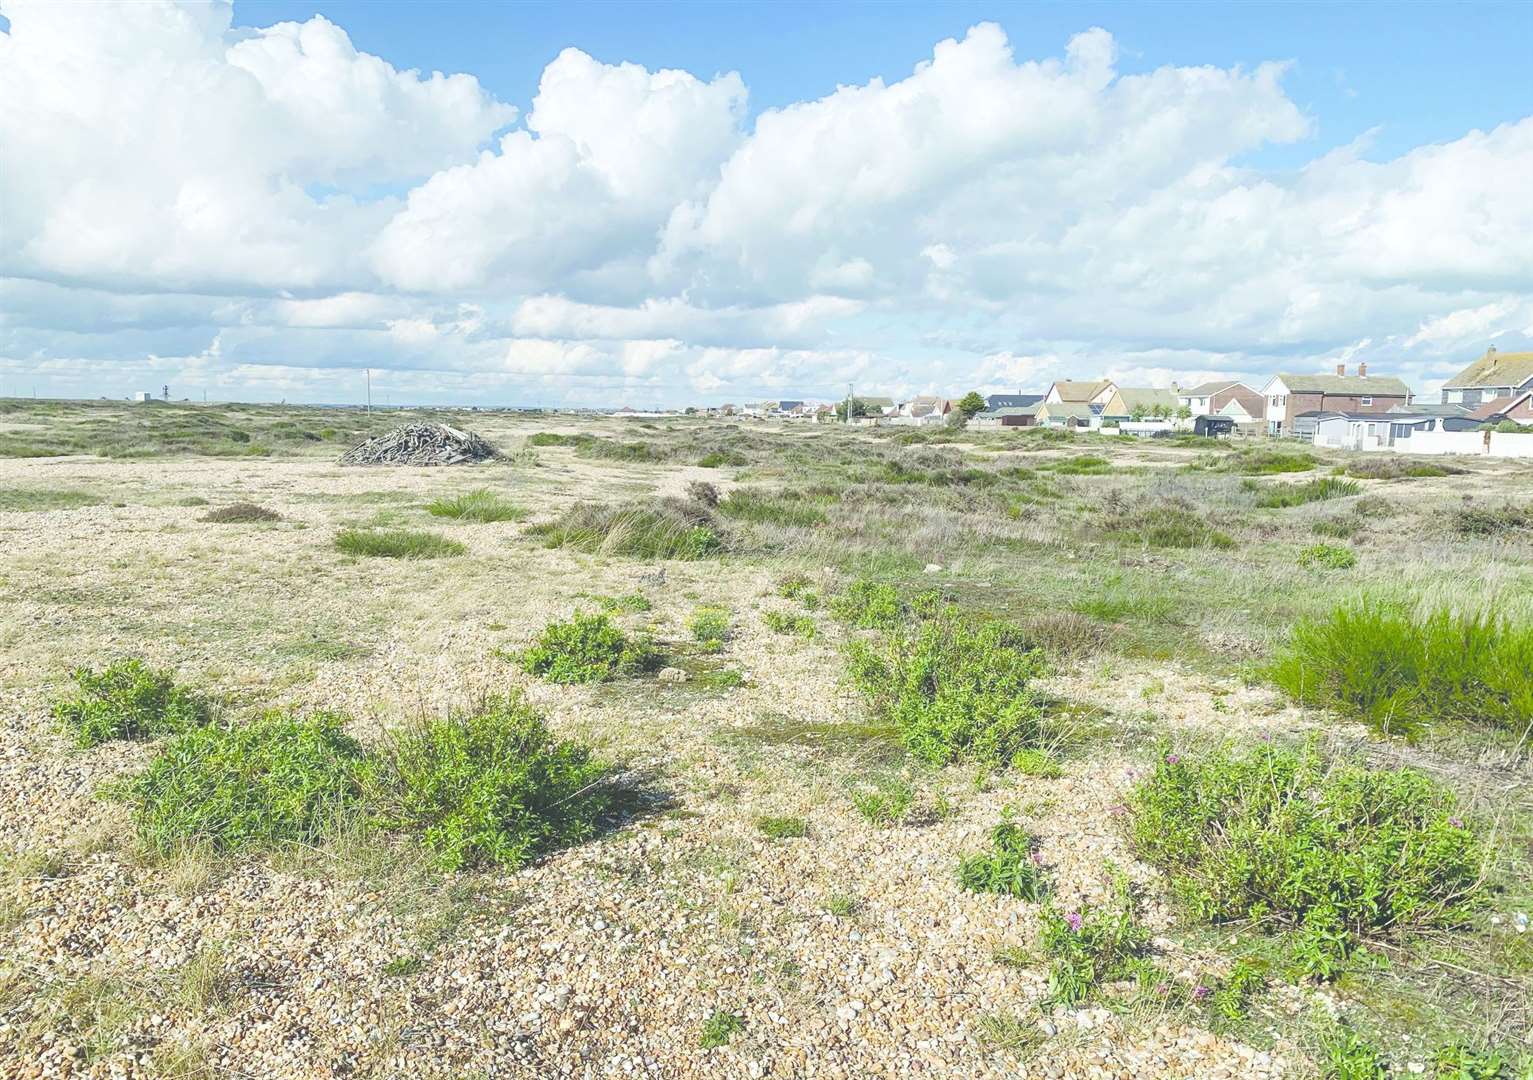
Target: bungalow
1012,401
1007,416
1131,403
926,408
1071,414
1211,398
1295,400
1494,375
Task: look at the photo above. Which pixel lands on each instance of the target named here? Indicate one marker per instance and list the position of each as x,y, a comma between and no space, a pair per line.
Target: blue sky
599,203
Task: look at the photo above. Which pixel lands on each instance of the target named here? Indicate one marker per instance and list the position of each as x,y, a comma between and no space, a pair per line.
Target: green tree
859,408
970,404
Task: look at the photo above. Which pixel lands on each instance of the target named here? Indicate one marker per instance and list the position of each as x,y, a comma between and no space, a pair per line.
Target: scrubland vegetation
782,749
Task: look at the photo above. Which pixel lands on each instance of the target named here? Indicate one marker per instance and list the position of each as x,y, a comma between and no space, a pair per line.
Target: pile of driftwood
420,444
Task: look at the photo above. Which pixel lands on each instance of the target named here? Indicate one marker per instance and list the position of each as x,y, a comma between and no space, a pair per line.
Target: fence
1499,444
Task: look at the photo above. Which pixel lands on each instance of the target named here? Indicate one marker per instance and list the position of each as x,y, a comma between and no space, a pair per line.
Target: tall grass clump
281,778
954,688
488,787
482,506
1268,462
587,648
1327,557
1165,524
770,508
1338,852
397,544
1488,521
1317,490
667,530
127,700
1398,673
554,438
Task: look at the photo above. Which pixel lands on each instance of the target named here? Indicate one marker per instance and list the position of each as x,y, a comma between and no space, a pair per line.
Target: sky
663,204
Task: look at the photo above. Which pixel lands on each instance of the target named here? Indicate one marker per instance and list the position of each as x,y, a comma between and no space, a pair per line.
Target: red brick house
1207,399
1291,396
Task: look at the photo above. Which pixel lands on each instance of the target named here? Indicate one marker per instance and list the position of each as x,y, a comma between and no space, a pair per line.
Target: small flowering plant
1011,867
1089,946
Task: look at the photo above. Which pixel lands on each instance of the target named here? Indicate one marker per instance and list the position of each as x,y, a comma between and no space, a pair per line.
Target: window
1365,400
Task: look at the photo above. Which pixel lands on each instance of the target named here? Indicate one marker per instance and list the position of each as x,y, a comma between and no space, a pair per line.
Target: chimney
1341,369
1362,371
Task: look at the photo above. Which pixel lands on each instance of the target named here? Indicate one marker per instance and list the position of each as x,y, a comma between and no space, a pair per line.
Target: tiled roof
1496,369
1346,385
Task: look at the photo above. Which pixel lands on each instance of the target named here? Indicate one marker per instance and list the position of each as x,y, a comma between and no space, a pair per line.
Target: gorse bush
1328,557
483,506
127,700
669,529
1398,673
710,628
587,648
1089,946
241,513
1339,852
954,687
869,605
281,778
1282,495
397,544
488,787
1010,867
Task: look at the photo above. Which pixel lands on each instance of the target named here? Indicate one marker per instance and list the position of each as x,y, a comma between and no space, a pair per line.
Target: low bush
1328,557
785,622
1320,489
587,648
127,700
1339,852
1037,763
397,544
490,787
241,513
884,804
954,687
669,529
281,778
792,586
771,508
1389,467
1268,462
869,605
554,438
1487,521
715,459
634,602
1398,673
703,493
782,828
1090,947
1165,525
483,506
1010,867
710,628
1337,528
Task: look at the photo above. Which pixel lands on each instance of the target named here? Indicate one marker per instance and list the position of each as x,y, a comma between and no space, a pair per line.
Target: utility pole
369,391
849,400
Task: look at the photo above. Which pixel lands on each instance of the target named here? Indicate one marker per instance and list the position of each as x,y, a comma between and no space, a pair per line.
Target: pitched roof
1346,385
1079,410
1012,401
1209,389
1496,369
877,402
1081,391
1146,397
1497,406
1012,410
1433,408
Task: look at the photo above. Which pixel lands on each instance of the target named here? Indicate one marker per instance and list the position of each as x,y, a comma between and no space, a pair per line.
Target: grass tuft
483,506
1319,489
397,544
1328,557
667,530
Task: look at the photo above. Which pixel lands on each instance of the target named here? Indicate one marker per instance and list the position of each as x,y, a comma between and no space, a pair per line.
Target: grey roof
1209,389
1346,385
1012,401
1011,410
1432,408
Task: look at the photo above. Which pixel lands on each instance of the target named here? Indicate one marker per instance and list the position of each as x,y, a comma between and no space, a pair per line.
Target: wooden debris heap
421,444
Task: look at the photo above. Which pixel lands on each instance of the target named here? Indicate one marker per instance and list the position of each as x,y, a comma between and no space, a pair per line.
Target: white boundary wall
1501,444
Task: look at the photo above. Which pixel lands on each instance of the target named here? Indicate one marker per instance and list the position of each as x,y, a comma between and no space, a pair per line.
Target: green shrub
884,804
127,700
397,544
634,602
1328,557
554,438
719,1029
784,622
954,688
710,627
1318,490
792,586
241,513
782,828
1384,467
483,506
1268,462
1284,837
715,459
281,778
1031,761
1348,1056
1010,867
667,530
1485,521
587,648
1459,1061
869,605
491,787
771,508
1091,946
1397,673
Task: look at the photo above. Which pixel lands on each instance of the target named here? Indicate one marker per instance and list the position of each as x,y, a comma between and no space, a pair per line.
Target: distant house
1383,431
1011,401
142,396
1090,393
1210,398
1517,407
926,407
1493,376
1068,414
1146,402
1294,400
1008,416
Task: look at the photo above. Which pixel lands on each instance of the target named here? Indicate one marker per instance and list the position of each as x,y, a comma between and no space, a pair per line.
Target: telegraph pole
849,400
369,391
